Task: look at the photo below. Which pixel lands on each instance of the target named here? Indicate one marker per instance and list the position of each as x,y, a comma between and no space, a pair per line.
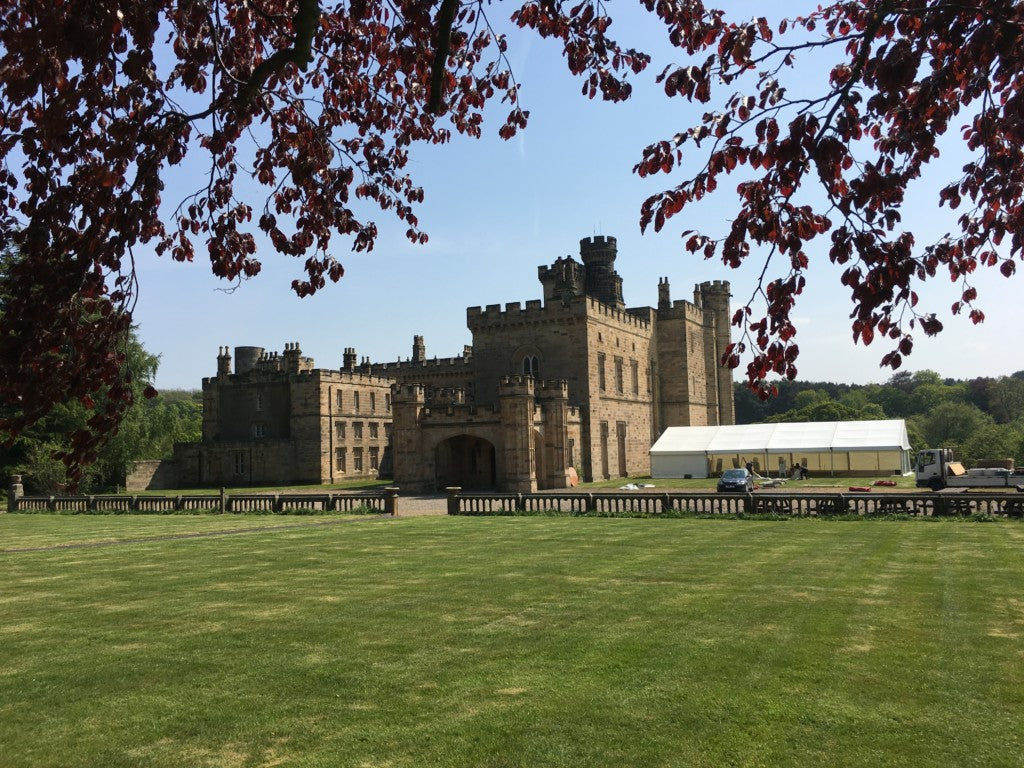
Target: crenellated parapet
408,393
462,414
493,316
712,294
625,317
460,362
552,390
516,386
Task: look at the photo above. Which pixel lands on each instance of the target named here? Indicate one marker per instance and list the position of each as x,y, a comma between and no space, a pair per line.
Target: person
750,468
799,473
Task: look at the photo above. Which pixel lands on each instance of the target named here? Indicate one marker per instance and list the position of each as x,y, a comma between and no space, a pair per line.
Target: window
259,429
373,402
259,401
339,459
357,430
650,376
374,461
357,459
239,462
572,452
635,370
339,430
618,375
355,402
341,399
387,432
600,371
387,402
531,366
373,430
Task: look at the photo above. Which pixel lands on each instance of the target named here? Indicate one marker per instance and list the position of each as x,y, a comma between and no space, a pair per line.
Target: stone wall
152,475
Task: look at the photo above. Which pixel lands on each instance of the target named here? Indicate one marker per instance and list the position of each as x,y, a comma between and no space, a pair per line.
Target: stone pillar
554,400
391,501
515,397
453,499
413,466
14,492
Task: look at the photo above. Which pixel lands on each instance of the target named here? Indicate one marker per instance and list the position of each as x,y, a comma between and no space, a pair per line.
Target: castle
576,385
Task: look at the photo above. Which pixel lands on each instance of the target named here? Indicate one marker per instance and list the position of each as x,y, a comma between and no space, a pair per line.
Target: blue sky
496,210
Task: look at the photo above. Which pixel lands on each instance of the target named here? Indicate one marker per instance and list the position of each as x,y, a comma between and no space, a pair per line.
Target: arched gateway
467,461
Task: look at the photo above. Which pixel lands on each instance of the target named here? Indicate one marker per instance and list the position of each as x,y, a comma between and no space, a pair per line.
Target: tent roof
889,434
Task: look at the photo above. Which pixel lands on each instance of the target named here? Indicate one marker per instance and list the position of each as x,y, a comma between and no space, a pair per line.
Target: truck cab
932,467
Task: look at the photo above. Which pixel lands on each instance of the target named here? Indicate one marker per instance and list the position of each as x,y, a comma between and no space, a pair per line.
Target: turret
563,279
246,357
602,281
714,300
419,350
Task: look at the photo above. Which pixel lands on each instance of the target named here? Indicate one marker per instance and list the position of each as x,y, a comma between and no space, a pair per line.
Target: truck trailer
936,469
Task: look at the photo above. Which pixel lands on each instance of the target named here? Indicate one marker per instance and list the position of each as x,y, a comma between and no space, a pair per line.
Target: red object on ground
860,489
887,483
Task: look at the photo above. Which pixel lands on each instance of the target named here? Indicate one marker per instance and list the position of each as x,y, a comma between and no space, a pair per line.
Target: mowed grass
515,642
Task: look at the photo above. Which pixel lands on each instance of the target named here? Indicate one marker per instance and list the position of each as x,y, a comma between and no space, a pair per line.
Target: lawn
511,642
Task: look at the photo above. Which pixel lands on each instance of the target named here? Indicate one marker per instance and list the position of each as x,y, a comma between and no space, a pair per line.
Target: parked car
735,480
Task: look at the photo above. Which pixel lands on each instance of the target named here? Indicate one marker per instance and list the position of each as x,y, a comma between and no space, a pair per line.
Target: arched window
531,366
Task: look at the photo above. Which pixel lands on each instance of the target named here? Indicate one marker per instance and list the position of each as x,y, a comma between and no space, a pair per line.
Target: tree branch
301,53
445,18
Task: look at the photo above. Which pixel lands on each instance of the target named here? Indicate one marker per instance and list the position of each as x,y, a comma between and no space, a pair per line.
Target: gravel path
426,504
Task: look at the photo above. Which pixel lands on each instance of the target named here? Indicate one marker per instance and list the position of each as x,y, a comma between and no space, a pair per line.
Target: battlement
624,316
408,393
461,414
516,385
598,241
554,389
536,311
714,294
514,312
461,361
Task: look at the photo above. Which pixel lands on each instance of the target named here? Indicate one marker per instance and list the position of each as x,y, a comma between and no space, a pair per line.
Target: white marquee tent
823,447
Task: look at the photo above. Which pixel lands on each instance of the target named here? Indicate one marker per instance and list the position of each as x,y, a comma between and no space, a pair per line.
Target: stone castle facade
574,385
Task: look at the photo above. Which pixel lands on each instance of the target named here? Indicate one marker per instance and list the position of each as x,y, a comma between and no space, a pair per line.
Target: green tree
949,424
148,430
992,441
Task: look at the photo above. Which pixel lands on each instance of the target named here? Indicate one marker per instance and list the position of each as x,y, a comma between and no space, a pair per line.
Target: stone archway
467,461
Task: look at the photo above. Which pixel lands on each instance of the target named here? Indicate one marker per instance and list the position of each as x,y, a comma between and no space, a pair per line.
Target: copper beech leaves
317,103
320,104
902,76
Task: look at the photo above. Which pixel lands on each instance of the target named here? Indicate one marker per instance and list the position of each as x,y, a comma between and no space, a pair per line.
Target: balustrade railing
383,502
671,504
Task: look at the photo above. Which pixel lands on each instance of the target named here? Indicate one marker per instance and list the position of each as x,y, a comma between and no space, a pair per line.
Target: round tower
602,282
246,357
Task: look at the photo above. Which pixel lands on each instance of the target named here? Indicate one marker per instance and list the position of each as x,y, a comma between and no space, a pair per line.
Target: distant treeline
980,418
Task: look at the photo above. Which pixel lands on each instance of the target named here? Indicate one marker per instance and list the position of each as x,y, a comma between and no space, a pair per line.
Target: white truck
936,469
